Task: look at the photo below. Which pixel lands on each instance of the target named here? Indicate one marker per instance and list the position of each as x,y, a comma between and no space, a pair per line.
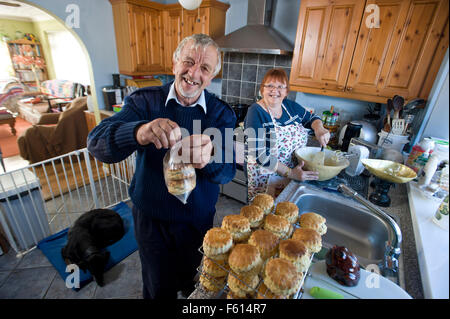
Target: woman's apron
288,139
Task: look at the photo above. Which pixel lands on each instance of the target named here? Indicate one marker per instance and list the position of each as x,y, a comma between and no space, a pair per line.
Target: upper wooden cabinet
147,32
339,52
139,34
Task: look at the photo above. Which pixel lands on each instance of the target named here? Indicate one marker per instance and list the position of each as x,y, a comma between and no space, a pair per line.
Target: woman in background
275,127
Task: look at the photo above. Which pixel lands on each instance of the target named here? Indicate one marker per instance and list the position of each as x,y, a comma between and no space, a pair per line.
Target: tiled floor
33,277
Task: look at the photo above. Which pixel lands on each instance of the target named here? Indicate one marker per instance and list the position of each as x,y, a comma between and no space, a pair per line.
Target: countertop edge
426,251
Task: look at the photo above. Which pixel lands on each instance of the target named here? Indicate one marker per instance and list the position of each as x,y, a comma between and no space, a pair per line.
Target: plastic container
420,154
440,153
440,218
22,206
389,140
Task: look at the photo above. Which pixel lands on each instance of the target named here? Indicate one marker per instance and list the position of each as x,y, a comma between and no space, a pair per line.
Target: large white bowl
326,172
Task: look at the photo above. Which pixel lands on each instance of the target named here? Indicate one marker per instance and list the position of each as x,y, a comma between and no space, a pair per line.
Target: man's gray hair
203,41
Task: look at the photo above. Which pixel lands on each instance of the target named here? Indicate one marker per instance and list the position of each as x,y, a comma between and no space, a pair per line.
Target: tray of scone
263,252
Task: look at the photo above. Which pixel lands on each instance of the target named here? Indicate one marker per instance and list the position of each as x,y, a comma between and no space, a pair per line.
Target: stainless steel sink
349,224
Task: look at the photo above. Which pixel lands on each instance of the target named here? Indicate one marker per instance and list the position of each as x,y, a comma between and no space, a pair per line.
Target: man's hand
298,174
161,132
196,150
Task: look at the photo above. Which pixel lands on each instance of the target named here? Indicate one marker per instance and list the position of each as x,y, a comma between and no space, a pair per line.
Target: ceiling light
190,4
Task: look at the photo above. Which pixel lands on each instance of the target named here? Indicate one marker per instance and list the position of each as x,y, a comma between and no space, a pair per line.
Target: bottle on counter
440,153
440,218
420,154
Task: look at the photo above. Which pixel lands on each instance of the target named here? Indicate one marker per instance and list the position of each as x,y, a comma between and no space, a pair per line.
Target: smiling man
152,120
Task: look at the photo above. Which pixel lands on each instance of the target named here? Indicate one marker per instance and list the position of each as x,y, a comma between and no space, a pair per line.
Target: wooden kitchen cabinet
148,32
338,53
139,34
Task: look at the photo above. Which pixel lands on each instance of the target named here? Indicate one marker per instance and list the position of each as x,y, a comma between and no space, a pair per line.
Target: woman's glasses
273,87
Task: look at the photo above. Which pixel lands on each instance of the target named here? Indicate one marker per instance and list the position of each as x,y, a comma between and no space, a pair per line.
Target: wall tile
248,90
262,70
234,88
267,59
249,73
251,58
224,87
283,60
235,71
236,57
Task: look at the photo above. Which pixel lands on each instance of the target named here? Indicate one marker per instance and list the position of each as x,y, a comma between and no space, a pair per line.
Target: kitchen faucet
393,250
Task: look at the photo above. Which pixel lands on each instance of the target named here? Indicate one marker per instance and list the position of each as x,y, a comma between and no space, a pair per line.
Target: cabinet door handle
341,88
349,89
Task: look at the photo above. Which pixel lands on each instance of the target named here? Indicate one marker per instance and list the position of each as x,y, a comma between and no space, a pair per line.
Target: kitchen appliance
257,36
113,95
387,173
356,167
240,109
375,151
356,128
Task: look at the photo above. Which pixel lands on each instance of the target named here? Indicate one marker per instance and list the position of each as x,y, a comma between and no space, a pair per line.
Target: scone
281,277
296,252
212,284
217,243
309,237
287,210
245,259
265,241
242,285
264,293
313,221
184,172
277,225
254,214
215,268
238,226
264,201
181,186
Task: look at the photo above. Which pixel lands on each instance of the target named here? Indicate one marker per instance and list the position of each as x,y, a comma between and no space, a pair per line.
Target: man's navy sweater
114,140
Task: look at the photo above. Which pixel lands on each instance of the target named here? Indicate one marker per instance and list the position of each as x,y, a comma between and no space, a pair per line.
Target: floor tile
30,283
9,260
3,276
123,280
33,259
58,290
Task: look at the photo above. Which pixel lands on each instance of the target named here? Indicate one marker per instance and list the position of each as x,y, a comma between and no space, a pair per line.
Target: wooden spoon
387,124
398,103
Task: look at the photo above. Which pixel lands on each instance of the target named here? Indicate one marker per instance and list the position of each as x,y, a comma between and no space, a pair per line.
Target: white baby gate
44,198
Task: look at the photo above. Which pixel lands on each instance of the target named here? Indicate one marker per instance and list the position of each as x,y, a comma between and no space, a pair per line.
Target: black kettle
352,130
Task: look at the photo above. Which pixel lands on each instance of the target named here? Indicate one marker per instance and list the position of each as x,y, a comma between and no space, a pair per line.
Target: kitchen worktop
432,244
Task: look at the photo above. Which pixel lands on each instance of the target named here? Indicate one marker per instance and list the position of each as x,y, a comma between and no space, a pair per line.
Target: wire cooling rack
223,290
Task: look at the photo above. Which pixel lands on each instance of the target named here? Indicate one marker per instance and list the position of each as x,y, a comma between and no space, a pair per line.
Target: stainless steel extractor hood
257,36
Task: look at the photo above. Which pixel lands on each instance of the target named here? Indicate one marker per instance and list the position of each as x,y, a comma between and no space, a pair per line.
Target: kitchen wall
436,116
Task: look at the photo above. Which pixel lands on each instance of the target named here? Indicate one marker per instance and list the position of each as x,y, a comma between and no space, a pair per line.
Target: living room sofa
56,92
58,133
